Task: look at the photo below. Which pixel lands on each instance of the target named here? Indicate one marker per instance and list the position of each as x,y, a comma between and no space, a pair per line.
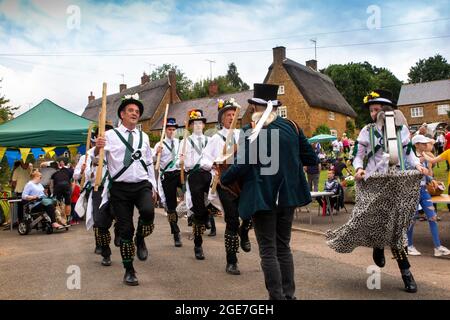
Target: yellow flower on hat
220,103
370,96
195,114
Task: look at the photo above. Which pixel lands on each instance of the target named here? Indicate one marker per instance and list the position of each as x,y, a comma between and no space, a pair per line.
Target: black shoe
106,261
208,225
177,239
291,298
233,269
378,257
98,250
190,221
141,249
130,278
212,233
245,241
199,253
408,280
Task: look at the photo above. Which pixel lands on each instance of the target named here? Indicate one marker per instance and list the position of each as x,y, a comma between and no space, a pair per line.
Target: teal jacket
260,192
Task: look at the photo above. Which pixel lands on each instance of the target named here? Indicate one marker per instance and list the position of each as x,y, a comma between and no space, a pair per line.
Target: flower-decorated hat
195,115
171,122
131,99
225,105
380,96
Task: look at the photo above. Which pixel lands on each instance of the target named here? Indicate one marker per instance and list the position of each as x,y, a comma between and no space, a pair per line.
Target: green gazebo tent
46,124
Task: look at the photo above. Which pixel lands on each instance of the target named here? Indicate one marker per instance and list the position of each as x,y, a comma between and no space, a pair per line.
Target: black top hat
131,99
380,96
171,122
225,105
263,93
195,115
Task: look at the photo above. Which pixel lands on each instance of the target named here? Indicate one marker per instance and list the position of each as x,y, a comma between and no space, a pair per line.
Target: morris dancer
169,175
129,160
386,195
228,200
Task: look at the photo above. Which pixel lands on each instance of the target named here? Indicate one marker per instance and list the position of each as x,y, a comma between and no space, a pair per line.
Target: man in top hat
228,199
198,180
270,198
169,176
130,165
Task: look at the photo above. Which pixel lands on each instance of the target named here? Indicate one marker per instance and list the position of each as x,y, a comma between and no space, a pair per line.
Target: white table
326,196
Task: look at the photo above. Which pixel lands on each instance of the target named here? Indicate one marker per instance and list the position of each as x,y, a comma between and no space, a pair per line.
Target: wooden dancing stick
88,146
225,153
163,134
101,133
183,150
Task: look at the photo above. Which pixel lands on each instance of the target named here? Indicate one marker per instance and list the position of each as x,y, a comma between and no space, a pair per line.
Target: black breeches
199,182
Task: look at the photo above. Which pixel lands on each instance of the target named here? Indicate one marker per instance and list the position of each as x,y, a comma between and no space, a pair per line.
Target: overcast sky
136,36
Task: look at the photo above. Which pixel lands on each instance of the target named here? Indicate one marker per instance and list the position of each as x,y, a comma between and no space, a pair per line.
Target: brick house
308,96
425,102
154,95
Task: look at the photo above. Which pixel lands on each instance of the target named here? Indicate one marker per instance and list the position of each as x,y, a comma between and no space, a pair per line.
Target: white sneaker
441,251
412,251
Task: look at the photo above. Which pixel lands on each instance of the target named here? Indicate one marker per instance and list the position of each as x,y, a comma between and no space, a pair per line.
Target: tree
433,68
229,83
6,110
355,80
184,84
234,80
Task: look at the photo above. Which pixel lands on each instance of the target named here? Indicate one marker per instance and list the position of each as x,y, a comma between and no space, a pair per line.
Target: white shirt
364,148
166,154
192,157
115,154
77,171
214,148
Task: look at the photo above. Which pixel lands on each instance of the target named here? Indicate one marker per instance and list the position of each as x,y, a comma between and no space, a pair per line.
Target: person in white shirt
229,201
130,165
198,180
169,176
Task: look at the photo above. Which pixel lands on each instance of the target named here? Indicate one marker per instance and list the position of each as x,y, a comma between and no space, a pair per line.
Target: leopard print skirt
384,208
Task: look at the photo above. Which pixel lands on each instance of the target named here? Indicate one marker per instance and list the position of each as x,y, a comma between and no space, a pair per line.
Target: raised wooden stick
163,134
101,133
88,146
183,150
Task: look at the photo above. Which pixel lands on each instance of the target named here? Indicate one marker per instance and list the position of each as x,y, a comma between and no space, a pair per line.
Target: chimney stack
145,78
122,87
312,64
213,89
173,86
91,98
279,55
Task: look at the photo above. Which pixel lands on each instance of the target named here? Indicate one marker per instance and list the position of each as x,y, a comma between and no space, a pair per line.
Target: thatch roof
150,93
318,89
207,105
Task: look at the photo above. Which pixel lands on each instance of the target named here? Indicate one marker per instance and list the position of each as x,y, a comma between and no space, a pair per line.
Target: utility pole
123,77
150,67
314,40
210,67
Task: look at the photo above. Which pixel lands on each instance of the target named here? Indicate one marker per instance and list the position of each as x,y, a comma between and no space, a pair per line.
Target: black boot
408,280
130,278
141,248
177,239
212,233
233,269
378,257
199,253
106,254
190,220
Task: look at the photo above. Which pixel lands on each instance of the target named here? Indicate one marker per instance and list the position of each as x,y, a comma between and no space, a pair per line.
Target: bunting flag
12,156
2,152
60,151
24,152
51,154
82,149
48,149
37,152
73,149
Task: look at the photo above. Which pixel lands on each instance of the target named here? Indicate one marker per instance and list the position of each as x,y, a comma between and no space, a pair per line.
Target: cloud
41,26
